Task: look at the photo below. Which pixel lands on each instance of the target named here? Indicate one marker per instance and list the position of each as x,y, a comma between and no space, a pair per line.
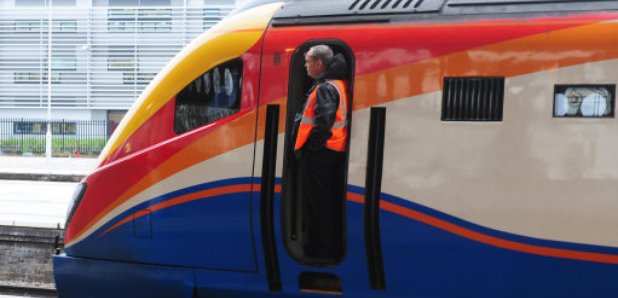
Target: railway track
17,291
25,255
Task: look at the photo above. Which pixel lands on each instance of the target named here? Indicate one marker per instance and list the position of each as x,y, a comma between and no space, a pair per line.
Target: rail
26,253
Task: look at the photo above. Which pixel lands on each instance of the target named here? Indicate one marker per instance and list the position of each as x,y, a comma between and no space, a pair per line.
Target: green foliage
60,147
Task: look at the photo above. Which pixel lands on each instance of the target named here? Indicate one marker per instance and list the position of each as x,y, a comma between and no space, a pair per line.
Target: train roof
303,12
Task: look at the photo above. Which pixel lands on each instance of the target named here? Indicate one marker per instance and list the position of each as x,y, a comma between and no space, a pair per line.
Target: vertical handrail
373,188
267,194
20,145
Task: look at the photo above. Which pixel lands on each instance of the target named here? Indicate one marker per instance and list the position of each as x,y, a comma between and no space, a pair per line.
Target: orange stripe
183,199
215,143
396,209
554,49
539,52
493,23
490,240
221,139
190,197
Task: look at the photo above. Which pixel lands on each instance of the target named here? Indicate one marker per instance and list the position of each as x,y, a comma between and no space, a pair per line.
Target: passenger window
210,97
584,101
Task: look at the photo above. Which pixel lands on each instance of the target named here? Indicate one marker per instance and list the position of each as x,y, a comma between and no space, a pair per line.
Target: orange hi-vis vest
338,139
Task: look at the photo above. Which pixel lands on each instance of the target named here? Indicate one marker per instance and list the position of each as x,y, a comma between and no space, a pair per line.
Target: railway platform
41,169
34,195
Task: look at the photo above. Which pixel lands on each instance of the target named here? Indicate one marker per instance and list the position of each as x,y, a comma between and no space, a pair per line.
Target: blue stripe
386,197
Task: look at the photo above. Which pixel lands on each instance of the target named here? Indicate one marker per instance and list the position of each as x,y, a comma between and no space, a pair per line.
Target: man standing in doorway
320,144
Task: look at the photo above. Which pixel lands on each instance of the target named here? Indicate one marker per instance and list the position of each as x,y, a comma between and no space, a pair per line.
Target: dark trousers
321,189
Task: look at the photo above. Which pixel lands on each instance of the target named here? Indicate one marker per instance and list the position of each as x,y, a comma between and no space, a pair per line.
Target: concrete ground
26,201
56,165
34,203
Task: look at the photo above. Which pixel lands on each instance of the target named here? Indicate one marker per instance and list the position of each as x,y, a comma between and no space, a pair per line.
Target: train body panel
99,278
545,169
519,206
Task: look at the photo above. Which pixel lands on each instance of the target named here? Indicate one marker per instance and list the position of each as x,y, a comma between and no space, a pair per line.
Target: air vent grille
473,99
381,6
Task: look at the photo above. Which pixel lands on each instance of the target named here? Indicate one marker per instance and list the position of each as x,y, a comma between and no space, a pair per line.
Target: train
481,158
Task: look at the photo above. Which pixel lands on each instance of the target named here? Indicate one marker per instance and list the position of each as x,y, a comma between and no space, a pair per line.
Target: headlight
78,194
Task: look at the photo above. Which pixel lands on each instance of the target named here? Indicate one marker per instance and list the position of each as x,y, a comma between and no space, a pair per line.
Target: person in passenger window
321,132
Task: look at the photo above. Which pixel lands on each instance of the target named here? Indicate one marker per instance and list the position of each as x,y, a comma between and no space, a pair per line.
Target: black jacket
327,103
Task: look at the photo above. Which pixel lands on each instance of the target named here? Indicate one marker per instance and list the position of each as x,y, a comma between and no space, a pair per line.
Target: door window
314,225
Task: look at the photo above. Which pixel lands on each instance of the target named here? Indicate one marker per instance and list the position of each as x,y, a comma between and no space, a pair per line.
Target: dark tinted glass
210,97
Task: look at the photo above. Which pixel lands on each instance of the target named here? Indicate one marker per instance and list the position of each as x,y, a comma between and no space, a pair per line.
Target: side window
584,101
213,95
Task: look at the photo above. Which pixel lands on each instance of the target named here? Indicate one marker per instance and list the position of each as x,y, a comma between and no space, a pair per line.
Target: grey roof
347,11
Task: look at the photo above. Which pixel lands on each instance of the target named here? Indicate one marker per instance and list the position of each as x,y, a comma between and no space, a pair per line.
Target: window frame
64,63
58,128
32,77
143,20
114,63
137,78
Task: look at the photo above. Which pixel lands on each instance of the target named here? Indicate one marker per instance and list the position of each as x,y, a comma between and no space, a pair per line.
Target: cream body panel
259,157
359,133
531,174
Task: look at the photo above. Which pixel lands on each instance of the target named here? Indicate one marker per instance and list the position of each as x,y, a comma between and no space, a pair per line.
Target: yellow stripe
227,40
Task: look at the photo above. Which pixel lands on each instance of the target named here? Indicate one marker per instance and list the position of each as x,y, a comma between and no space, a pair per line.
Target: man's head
317,60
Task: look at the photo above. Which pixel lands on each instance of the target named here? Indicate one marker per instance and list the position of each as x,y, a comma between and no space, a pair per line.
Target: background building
103,54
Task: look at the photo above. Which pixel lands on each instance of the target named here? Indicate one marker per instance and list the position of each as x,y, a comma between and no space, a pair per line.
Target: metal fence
69,137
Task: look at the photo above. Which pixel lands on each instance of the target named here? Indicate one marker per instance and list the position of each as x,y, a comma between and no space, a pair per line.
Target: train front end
171,195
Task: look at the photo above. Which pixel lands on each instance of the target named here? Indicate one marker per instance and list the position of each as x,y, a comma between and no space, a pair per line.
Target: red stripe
116,182
414,42
160,123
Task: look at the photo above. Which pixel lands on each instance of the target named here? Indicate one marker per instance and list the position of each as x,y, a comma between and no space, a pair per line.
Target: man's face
314,66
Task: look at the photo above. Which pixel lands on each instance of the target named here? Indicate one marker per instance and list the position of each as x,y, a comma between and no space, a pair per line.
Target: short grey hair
321,52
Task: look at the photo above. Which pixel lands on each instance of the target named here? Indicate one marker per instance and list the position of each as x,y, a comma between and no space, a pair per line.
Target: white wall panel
102,57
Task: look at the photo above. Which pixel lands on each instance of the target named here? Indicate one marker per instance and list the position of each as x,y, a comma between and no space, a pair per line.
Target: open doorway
303,219
113,119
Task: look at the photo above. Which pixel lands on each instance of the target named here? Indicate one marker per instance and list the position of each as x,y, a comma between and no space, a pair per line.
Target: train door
313,225
348,260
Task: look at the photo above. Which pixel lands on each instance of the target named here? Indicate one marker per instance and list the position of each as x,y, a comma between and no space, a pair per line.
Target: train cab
479,163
